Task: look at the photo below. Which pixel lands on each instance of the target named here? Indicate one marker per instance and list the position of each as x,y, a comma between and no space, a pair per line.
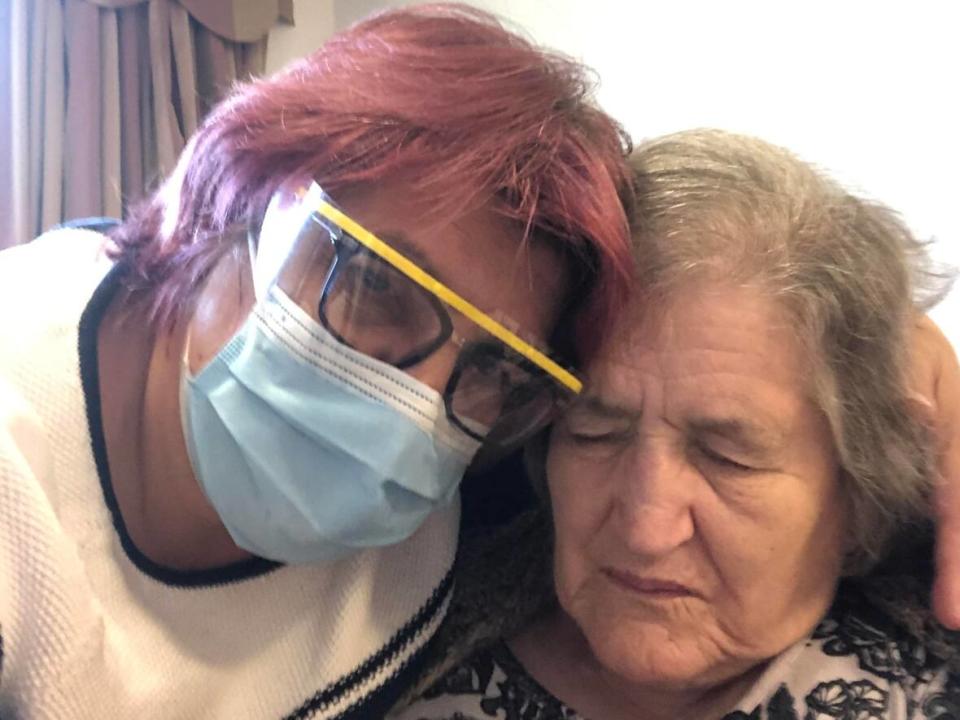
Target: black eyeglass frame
497,352
345,247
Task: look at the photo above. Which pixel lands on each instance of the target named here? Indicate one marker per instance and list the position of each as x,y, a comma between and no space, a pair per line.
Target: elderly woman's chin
677,644
649,651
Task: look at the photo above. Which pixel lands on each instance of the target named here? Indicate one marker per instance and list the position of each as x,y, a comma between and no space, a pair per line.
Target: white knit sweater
90,628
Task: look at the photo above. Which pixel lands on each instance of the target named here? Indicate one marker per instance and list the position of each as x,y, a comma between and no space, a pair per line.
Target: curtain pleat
148,130
15,207
7,200
83,160
49,84
36,49
184,65
131,49
169,138
100,98
111,169
252,58
216,69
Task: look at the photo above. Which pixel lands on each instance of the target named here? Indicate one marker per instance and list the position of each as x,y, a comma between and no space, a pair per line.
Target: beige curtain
103,93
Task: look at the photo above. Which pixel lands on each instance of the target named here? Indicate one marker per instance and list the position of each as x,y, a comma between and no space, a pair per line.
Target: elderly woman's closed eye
743,444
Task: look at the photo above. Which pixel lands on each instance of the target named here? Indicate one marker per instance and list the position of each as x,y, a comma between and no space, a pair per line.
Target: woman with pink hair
233,432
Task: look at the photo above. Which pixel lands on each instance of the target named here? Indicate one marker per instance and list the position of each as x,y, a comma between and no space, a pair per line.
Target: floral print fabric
856,665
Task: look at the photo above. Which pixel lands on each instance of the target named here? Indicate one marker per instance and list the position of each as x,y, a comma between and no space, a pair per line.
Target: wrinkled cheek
675,645
573,564
743,631
586,604
759,628
570,574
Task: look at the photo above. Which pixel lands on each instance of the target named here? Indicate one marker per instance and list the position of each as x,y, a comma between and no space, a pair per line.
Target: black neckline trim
379,701
90,380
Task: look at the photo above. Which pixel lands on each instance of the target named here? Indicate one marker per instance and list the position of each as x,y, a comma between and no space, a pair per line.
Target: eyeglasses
378,302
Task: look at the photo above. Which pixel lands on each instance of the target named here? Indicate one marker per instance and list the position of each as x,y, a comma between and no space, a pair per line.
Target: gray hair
712,205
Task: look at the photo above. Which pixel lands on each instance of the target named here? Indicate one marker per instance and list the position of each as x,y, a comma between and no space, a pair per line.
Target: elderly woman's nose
654,506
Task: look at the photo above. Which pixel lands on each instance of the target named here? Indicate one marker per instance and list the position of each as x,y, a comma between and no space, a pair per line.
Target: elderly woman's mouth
648,586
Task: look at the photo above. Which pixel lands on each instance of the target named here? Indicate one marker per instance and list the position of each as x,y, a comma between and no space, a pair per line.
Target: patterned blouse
856,665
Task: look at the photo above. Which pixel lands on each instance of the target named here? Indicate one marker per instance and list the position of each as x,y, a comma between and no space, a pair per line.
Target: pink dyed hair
477,114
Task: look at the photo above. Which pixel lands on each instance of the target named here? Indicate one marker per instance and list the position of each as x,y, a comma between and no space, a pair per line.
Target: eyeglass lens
375,309
500,392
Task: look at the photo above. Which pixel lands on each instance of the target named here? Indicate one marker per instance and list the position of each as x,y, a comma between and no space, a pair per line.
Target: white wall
868,90
314,24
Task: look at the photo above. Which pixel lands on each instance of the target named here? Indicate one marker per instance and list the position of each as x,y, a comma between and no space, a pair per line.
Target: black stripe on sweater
378,702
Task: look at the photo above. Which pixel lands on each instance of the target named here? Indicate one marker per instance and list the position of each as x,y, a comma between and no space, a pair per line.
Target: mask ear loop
252,244
183,392
185,356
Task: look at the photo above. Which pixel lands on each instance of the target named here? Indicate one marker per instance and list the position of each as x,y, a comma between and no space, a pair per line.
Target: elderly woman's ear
935,381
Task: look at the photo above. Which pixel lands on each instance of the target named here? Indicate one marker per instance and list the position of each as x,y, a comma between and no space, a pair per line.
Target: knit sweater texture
91,628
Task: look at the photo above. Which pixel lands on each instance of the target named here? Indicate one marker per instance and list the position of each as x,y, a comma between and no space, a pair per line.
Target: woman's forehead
701,314
481,255
727,342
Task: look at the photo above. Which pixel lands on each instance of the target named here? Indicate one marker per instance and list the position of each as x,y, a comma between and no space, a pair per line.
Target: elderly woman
231,438
743,444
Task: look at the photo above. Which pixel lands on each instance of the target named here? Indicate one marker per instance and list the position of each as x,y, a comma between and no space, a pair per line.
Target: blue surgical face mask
309,450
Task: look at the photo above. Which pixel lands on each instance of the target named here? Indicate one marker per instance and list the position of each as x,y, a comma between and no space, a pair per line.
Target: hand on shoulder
935,380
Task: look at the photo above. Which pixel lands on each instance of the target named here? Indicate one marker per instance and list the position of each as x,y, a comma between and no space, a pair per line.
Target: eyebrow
400,242
751,437
595,405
